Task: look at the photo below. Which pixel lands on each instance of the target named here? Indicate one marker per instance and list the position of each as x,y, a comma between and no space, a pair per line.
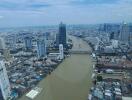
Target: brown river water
72,78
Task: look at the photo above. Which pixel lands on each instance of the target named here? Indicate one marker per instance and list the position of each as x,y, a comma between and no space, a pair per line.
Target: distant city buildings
124,33
13,39
108,28
61,36
47,35
121,32
4,83
25,69
28,43
41,48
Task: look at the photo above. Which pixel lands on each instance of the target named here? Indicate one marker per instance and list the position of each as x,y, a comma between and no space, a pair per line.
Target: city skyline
49,12
66,62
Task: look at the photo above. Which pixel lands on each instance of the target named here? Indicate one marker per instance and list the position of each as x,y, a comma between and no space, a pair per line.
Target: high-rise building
4,83
108,28
28,43
57,39
61,51
41,48
61,36
112,35
47,35
11,41
124,33
2,44
6,52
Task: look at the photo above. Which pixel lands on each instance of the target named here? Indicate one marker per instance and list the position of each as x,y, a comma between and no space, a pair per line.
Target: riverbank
71,80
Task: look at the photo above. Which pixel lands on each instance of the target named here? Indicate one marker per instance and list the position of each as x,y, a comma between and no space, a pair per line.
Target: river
72,78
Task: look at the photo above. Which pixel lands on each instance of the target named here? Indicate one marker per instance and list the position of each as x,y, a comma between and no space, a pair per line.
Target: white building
4,83
115,43
2,43
59,55
61,51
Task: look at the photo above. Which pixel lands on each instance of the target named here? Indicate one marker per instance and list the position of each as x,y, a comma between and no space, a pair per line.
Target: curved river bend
71,80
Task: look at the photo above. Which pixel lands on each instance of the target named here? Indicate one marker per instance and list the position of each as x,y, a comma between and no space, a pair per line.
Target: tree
99,78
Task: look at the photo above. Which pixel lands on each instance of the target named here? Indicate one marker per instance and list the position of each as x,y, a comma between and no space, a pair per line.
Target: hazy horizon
14,13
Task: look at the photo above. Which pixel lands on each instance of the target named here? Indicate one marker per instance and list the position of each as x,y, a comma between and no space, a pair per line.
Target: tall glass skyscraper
61,36
41,48
28,43
1,95
124,33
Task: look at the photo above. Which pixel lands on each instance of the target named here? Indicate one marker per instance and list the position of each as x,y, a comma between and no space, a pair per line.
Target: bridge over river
79,47
76,51
72,78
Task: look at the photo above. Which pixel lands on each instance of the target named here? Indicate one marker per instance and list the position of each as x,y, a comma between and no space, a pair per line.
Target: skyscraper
6,51
4,82
12,41
112,35
41,48
47,35
28,43
124,33
61,51
2,44
61,36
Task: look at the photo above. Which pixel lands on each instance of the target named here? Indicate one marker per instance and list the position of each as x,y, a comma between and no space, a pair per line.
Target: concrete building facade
4,82
41,48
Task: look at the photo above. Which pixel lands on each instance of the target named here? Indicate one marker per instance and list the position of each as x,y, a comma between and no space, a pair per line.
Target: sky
52,12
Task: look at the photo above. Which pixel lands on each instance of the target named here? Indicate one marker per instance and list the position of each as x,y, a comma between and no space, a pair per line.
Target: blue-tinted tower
1,95
28,43
41,48
61,38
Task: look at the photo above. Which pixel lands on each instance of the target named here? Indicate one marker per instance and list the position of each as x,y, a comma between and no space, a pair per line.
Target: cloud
42,4
1,17
7,5
39,12
93,2
22,5
38,5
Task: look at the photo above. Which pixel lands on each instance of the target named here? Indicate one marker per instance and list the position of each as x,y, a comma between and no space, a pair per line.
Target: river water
71,80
